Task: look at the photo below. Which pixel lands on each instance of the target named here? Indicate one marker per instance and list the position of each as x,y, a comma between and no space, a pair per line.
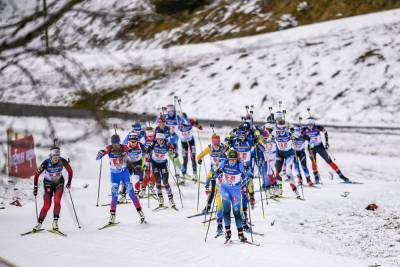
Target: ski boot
246,228
123,198
344,178
228,234
300,180
280,190
55,224
160,201
171,202
296,193
309,182
152,191
112,218
141,215
220,230
241,236
206,209
316,178
194,178
141,193
37,227
180,179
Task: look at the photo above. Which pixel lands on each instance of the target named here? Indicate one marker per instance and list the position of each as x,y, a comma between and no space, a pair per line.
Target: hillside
344,69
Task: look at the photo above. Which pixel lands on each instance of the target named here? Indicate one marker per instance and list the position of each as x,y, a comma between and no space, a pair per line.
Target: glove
174,155
35,188
246,168
100,154
199,162
327,145
68,186
200,127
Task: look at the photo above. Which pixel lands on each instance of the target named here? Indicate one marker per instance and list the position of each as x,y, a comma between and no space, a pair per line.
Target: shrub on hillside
174,6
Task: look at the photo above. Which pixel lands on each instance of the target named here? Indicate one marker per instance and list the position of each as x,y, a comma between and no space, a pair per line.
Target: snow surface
325,230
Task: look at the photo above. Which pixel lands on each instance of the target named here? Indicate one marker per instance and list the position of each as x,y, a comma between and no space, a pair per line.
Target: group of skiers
142,160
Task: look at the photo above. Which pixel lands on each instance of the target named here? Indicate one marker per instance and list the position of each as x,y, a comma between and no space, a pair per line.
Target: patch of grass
99,99
369,54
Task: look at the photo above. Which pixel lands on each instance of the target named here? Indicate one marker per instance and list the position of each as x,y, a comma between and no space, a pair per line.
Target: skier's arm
39,171
69,171
203,153
196,124
102,152
323,130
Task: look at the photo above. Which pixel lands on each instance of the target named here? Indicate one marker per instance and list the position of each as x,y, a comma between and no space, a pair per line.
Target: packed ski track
330,227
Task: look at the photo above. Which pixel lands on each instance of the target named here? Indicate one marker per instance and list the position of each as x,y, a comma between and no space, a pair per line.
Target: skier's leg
57,200
218,201
212,193
185,151
165,176
226,203
131,192
278,168
193,157
236,195
303,161
115,181
48,194
138,171
289,171
324,154
158,175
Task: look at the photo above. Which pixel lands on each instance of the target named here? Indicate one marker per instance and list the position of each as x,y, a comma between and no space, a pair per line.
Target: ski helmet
246,126
54,152
278,116
216,140
310,121
232,154
115,140
160,136
171,110
133,136
296,132
137,127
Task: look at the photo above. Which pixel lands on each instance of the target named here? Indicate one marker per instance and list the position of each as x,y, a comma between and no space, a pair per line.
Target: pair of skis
108,225
230,241
159,208
54,231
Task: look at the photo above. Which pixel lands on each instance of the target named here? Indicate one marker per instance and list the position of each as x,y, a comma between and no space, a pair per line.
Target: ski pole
98,188
37,216
259,182
73,206
209,221
177,185
212,127
296,158
148,184
198,189
251,226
